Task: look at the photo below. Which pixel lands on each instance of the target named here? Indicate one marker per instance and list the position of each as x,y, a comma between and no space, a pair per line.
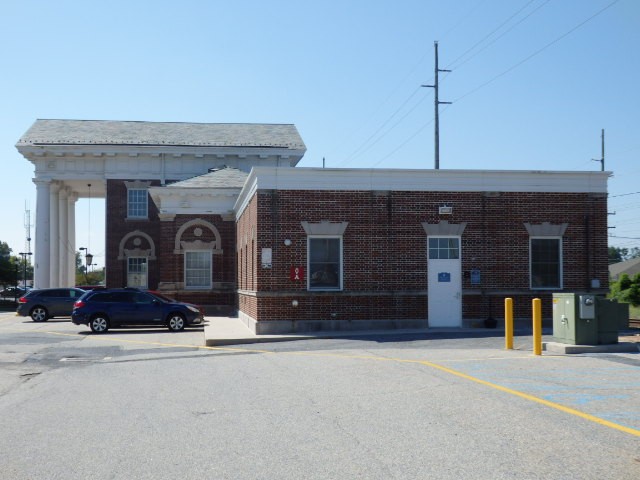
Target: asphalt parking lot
602,387
438,404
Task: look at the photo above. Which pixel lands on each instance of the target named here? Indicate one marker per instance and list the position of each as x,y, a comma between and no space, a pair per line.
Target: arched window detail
215,246
124,253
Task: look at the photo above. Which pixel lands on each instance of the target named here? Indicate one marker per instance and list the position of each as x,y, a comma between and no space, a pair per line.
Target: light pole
24,268
88,260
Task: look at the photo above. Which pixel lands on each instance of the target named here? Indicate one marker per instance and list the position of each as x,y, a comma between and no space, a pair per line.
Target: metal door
445,282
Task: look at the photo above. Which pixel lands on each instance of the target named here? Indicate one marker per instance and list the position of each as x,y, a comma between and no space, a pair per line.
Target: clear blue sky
532,83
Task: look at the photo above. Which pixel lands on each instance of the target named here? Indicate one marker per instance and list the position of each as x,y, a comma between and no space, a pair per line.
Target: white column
41,261
71,220
63,230
54,236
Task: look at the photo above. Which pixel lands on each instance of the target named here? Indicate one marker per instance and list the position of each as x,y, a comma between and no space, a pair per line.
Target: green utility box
612,317
574,319
584,319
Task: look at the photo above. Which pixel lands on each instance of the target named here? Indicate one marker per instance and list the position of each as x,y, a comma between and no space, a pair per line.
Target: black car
12,292
107,308
45,303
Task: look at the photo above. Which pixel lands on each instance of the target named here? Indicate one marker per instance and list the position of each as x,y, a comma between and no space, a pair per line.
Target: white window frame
448,248
146,272
339,287
209,279
560,263
137,204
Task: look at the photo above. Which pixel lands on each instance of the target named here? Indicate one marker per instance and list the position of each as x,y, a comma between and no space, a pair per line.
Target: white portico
75,158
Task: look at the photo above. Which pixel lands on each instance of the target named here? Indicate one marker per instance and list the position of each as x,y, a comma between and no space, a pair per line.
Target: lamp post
24,268
88,260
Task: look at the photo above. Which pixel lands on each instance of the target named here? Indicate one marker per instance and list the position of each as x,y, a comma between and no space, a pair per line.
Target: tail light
79,304
22,300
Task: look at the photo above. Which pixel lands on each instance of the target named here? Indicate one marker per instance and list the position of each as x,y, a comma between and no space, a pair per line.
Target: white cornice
32,151
323,179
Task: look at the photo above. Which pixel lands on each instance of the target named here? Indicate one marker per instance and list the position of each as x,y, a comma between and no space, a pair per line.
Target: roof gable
226,177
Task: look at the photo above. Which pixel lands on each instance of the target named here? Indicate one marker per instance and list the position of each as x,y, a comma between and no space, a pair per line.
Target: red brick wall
168,267
117,226
385,255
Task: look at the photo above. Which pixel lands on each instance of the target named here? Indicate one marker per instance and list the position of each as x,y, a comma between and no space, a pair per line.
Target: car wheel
99,324
176,322
39,314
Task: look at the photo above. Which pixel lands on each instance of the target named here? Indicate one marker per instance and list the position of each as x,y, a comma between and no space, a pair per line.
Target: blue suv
104,309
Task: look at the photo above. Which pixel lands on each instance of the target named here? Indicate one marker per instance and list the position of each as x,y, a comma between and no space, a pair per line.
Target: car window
55,293
123,297
101,297
143,298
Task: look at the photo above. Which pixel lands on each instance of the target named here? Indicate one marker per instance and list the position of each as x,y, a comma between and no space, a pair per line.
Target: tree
626,289
7,265
618,254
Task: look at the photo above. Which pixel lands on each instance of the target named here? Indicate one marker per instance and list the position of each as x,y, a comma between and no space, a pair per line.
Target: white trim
343,179
215,246
124,253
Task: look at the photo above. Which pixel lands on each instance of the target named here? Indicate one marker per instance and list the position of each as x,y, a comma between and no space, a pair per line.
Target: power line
456,25
623,194
457,67
362,146
469,13
537,52
452,64
393,126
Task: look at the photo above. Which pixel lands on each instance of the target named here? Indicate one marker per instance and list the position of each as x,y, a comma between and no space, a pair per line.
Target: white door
137,272
445,282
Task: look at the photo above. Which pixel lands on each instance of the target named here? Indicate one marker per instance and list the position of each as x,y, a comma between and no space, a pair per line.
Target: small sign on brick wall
266,257
296,274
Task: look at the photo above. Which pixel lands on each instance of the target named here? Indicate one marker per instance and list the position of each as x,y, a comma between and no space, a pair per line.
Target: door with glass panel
137,273
445,282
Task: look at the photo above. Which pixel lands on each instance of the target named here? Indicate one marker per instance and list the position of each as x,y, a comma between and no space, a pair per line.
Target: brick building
219,214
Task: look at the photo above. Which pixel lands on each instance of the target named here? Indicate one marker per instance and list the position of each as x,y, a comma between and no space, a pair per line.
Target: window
197,269
325,263
137,272
444,248
137,203
546,263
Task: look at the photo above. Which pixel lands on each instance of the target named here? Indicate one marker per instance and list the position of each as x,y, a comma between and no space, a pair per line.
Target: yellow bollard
537,326
508,323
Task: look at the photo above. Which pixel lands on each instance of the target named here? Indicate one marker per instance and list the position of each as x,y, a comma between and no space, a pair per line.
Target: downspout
587,252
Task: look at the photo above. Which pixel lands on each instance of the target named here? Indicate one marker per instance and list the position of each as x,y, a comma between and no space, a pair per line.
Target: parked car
12,292
45,303
119,307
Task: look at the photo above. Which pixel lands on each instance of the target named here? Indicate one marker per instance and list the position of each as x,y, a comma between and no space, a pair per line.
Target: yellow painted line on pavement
526,396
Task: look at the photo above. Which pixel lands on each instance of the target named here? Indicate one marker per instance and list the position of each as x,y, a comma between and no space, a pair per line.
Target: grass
634,312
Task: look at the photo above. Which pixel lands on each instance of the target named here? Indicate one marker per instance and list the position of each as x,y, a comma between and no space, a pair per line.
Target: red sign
296,274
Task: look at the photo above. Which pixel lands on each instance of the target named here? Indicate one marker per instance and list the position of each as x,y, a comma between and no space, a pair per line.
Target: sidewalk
231,331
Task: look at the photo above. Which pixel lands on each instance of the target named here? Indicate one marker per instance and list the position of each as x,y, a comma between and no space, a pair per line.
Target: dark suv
45,303
104,309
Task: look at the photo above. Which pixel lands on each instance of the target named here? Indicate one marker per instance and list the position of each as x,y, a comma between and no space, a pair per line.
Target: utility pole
437,104
601,159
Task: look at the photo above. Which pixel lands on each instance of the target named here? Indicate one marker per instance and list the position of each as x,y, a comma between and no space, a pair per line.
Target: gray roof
226,177
106,132
630,267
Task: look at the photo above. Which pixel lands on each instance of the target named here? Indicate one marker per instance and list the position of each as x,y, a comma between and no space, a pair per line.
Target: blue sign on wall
475,277
444,277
